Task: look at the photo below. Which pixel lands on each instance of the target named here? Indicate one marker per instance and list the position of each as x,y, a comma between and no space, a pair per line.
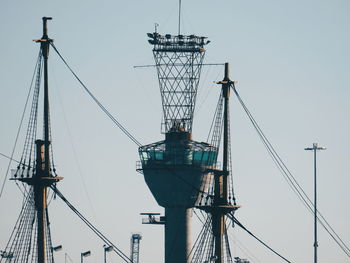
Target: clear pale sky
291,60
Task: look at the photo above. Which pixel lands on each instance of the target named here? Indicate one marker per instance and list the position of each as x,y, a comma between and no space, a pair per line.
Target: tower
175,169
135,247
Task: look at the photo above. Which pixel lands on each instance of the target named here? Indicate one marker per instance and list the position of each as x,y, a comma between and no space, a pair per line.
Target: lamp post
106,249
315,148
84,254
56,248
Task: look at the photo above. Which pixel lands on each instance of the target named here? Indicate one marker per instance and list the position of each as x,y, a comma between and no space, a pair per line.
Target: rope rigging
92,227
215,138
29,143
115,121
22,244
204,243
9,157
20,126
235,220
292,182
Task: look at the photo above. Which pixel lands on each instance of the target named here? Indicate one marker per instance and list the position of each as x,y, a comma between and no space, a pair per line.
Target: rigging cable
92,227
8,157
116,122
239,244
292,181
75,155
258,239
19,127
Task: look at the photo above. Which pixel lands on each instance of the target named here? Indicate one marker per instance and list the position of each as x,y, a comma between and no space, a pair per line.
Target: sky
291,61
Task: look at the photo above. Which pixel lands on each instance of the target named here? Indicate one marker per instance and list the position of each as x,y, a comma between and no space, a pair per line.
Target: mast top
45,37
45,26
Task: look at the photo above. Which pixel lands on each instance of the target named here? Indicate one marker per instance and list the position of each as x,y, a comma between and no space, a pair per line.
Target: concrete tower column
177,234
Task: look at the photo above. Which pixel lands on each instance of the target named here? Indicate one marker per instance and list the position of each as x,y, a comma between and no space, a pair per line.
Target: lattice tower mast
179,63
135,247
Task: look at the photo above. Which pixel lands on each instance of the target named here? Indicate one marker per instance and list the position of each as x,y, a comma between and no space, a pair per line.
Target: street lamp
57,248
315,148
84,254
106,249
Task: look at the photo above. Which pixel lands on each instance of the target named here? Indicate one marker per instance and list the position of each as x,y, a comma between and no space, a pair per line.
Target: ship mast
43,164
221,205
32,238
45,46
43,178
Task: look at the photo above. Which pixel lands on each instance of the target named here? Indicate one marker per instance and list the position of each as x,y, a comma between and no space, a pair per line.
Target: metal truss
179,62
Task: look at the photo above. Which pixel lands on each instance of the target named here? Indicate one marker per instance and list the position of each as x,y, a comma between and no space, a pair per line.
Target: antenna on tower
179,17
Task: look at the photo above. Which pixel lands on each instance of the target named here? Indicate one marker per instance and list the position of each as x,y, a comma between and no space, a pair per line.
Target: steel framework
135,248
179,63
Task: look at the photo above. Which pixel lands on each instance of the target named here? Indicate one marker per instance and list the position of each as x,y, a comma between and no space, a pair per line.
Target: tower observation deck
176,169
